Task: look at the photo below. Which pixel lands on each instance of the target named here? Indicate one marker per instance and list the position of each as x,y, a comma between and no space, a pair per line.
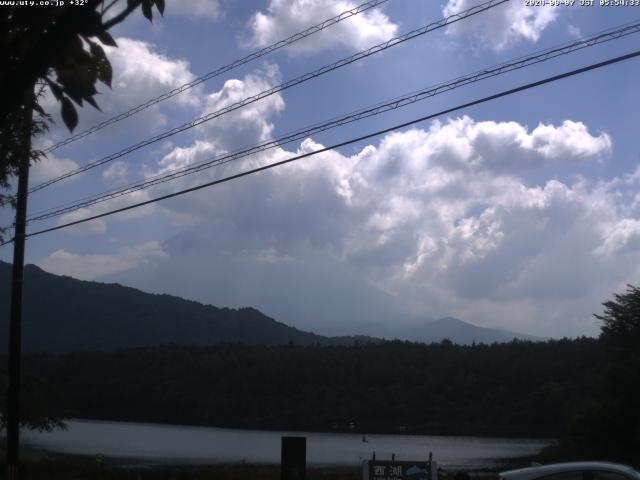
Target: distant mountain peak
459,331
450,321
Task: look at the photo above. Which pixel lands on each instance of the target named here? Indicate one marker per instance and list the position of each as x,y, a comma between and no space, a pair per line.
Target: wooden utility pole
15,325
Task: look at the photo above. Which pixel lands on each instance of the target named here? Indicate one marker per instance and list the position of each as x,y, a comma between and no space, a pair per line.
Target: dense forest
519,388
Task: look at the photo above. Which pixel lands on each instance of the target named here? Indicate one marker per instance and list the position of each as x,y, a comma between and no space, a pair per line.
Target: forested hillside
64,314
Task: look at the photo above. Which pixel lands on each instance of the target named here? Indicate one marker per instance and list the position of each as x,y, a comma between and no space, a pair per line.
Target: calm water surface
151,443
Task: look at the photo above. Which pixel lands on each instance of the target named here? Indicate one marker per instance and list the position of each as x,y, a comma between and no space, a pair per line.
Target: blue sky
522,213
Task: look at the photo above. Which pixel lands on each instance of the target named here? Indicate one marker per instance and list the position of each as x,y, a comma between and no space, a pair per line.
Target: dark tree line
519,388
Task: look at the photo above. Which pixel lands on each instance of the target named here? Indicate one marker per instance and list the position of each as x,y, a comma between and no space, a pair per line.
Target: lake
171,444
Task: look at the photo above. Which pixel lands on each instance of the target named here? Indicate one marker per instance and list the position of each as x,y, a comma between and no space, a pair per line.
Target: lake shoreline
438,431
293,431
156,445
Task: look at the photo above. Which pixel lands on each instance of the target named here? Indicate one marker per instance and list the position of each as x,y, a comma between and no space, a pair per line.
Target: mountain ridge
61,314
464,332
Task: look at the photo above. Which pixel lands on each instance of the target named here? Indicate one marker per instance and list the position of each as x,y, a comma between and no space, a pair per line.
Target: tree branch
106,9
122,15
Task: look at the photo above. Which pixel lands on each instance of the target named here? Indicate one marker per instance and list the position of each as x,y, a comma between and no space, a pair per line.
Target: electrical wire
298,80
383,107
219,71
504,93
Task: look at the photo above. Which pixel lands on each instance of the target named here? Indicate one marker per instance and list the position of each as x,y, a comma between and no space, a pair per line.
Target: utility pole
15,325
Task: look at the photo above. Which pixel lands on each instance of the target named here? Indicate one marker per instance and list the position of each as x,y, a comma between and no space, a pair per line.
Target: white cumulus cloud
93,266
284,18
195,9
116,174
142,72
235,130
503,25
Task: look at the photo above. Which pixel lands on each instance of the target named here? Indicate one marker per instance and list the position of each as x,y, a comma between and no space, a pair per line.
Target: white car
574,471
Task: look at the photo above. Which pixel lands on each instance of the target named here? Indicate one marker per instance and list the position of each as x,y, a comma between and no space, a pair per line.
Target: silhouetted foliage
54,47
621,322
36,414
607,426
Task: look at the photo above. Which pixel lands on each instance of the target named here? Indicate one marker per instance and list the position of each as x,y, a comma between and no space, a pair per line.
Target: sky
522,213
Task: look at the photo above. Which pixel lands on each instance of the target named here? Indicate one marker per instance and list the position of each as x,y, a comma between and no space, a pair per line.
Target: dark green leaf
76,51
69,114
160,5
74,95
105,73
78,87
93,103
96,50
78,80
107,39
55,88
146,9
103,66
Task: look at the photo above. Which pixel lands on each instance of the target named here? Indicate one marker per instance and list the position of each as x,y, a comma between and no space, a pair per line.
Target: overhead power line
219,71
283,86
504,93
398,102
